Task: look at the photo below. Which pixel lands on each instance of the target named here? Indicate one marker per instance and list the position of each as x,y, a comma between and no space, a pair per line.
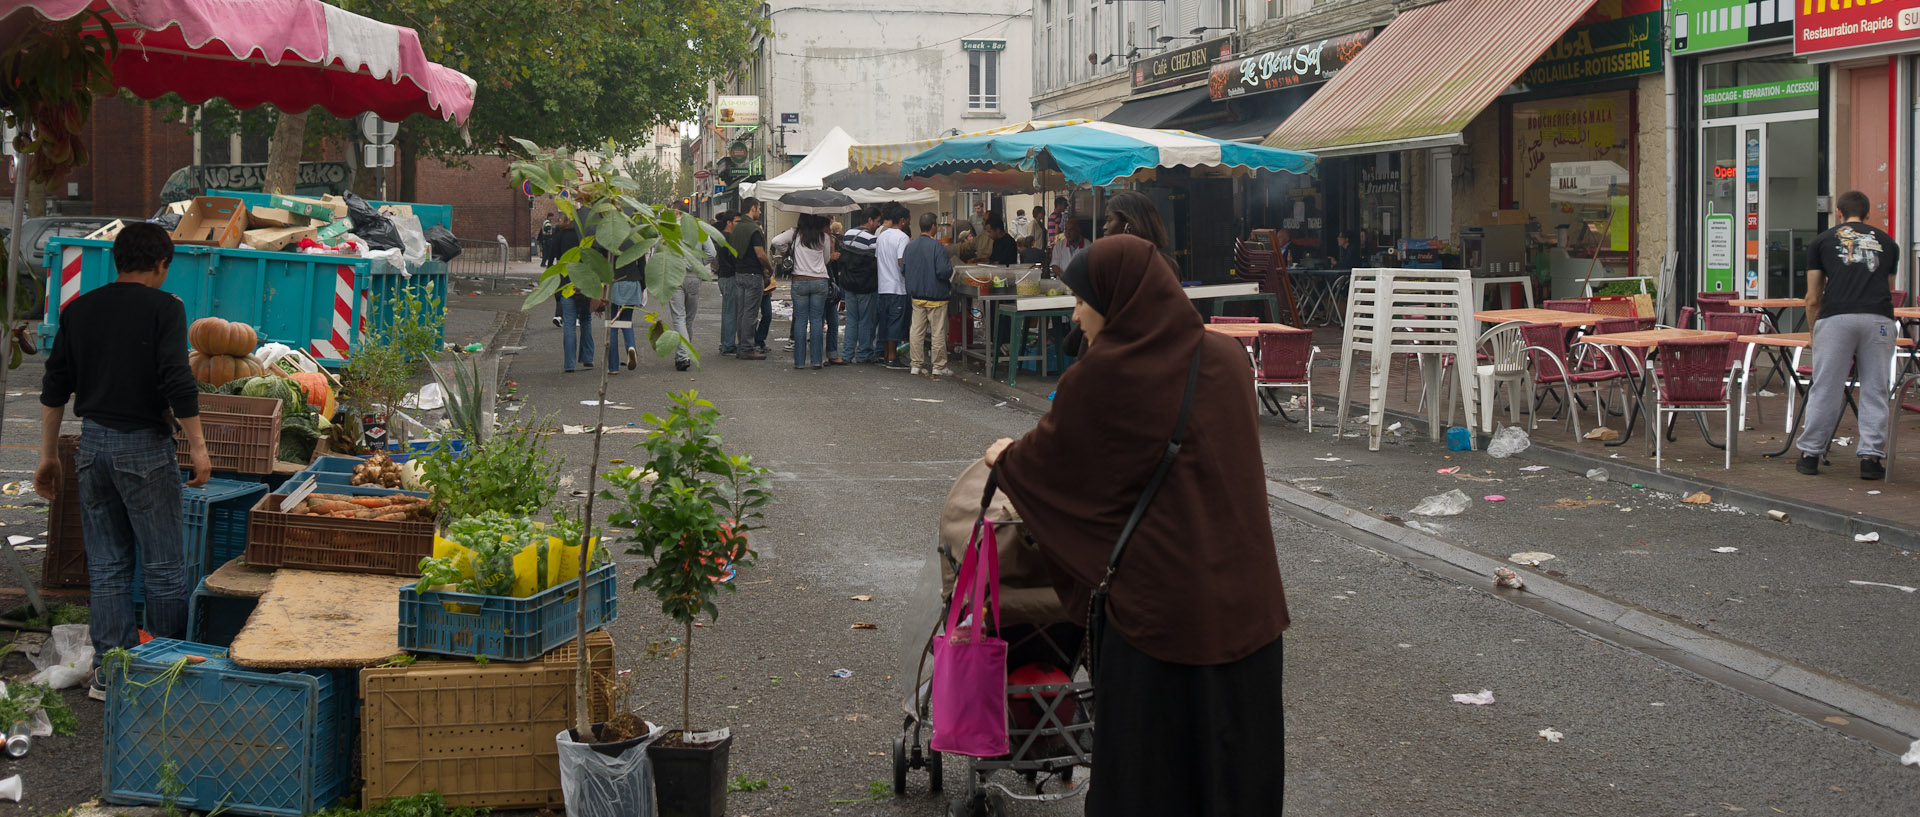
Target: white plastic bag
65,659
596,785
1507,442
413,238
1450,503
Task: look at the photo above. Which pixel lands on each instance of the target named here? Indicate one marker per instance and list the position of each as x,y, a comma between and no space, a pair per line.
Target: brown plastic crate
480,735
243,433
66,562
279,539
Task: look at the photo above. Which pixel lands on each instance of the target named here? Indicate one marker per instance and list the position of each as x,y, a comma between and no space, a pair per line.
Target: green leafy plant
511,472
689,508
741,783
876,792
23,698
466,396
429,804
381,369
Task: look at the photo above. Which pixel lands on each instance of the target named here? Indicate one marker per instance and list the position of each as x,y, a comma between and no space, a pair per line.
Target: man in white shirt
1070,242
894,309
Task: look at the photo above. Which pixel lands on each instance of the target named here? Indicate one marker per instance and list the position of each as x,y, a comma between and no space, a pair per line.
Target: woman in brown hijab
1188,677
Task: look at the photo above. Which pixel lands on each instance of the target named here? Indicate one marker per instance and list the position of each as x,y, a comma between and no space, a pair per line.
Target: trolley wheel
900,766
936,772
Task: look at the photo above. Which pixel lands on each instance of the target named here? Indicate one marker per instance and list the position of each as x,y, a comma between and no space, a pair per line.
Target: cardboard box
261,218
338,204
275,238
1501,218
179,208
396,210
107,232
334,230
212,221
305,207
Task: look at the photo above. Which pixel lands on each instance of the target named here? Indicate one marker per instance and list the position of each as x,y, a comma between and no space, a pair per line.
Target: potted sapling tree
689,508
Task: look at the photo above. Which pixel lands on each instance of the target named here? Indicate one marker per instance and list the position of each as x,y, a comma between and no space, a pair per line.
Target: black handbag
1097,603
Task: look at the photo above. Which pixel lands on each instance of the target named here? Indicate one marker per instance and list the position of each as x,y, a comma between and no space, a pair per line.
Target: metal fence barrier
480,258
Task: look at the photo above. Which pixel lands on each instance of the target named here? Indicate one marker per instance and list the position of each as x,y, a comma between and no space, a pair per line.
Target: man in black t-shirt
121,355
1850,280
723,273
752,269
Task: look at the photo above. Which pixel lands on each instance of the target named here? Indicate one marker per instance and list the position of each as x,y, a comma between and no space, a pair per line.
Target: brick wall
485,203
134,151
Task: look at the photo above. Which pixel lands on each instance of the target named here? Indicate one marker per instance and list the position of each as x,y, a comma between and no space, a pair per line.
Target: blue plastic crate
333,473
273,744
503,628
216,619
418,448
214,528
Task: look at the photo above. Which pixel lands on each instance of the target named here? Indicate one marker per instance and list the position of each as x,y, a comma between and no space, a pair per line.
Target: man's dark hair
142,247
747,205
869,213
1060,201
1024,241
1852,204
928,221
721,218
995,223
895,213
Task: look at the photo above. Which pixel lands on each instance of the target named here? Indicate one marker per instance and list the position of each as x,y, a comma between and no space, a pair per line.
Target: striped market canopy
1098,153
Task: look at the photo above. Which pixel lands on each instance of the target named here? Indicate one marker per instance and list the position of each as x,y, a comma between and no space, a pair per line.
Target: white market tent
830,157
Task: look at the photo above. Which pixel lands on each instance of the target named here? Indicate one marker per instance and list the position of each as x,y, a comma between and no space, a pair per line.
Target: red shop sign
1823,26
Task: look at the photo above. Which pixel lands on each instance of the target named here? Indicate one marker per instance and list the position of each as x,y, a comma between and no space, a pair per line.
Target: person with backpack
860,278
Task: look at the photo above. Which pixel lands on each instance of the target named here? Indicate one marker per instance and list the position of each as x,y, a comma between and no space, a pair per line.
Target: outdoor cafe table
1648,340
1530,315
1771,307
1798,341
1246,331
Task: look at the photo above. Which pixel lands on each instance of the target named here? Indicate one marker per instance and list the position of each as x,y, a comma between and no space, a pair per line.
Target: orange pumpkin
319,391
216,370
219,336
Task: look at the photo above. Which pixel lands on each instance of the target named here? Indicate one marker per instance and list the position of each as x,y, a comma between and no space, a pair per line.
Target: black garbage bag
378,230
445,246
168,221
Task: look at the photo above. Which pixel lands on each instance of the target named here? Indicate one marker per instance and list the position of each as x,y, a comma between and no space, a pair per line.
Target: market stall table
1798,341
1647,340
310,619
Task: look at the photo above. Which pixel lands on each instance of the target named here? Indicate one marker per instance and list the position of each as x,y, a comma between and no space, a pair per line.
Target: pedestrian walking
544,242
860,277
812,250
1057,219
929,274
723,264
626,292
893,307
835,295
565,237
1173,539
1850,279
752,271
120,355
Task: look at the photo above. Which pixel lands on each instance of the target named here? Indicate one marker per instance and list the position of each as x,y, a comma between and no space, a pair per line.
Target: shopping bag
969,695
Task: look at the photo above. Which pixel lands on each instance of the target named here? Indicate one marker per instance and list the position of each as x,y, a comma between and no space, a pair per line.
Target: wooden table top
1906,312
1247,330
1768,303
1537,316
1797,340
1654,337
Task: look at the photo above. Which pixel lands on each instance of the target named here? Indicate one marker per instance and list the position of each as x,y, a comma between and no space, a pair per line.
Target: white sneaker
916,370
943,372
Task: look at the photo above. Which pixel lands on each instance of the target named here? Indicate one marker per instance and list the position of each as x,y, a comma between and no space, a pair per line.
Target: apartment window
1225,11
983,80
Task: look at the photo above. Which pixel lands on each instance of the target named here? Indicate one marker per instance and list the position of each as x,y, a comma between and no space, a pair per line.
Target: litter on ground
1533,468
1726,550
1531,557
1566,502
1482,698
1883,584
1869,536
1450,503
1551,735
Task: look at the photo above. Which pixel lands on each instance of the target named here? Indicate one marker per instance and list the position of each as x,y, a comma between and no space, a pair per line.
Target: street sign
526,188
789,119
376,155
702,175
377,130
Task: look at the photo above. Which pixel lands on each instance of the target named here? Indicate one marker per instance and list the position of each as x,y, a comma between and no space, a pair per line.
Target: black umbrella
816,202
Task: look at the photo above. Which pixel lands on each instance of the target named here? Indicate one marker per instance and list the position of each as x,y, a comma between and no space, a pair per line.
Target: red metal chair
1285,362
1686,318
1693,380
1233,319
1581,306
1717,306
1899,298
1613,305
1547,349
1740,364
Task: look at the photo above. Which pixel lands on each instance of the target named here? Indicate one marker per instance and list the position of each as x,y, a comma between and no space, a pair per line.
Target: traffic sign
702,175
526,188
377,130
376,155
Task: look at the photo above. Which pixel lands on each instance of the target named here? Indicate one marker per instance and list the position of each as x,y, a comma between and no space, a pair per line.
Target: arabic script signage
1831,25
1606,50
1186,62
1286,67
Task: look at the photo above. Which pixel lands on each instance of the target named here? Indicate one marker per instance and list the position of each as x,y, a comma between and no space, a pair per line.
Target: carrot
371,501
328,506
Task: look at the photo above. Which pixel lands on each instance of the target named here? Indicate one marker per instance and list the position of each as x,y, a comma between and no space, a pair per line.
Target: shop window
983,80
1572,160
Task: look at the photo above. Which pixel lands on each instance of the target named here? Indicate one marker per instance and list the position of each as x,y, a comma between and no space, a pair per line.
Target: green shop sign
983,45
1602,51
1779,89
1705,25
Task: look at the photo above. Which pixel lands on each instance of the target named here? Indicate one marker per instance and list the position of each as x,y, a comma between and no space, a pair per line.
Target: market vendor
121,356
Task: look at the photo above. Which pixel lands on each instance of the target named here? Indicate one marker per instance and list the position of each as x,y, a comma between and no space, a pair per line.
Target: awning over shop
1420,82
1154,111
1246,130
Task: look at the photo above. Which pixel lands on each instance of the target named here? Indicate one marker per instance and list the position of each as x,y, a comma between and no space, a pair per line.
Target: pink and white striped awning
295,54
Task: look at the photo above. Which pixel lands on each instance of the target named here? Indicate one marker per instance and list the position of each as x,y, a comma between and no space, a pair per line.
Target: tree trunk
407,162
686,686
36,197
283,153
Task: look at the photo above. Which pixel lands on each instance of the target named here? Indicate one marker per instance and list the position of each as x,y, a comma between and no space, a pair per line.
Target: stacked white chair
1427,313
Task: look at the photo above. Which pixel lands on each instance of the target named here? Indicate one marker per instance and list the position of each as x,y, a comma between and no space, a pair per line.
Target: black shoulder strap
1160,472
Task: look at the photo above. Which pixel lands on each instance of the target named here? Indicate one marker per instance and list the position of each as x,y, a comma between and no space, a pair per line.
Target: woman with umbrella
813,250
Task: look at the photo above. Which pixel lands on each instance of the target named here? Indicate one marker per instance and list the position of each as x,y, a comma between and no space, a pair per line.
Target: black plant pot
690,781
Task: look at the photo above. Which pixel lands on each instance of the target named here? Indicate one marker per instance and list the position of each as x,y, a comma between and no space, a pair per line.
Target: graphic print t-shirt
1855,260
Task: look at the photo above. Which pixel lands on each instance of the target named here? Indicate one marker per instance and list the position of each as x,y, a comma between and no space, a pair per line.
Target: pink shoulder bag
969,696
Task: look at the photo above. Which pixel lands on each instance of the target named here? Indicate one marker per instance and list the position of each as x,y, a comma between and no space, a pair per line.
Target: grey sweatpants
747,289
1857,344
685,301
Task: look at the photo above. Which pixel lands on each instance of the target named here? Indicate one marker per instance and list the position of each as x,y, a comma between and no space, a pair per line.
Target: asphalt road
863,457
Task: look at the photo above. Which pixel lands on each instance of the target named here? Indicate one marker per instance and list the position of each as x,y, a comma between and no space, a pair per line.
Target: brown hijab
1199,583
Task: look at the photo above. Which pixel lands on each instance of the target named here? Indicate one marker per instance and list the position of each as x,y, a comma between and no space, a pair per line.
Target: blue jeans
729,308
766,319
809,321
832,309
860,327
130,516
614,347
576,332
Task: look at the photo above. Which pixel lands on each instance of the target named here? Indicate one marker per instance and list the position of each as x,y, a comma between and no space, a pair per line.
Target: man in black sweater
121,355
